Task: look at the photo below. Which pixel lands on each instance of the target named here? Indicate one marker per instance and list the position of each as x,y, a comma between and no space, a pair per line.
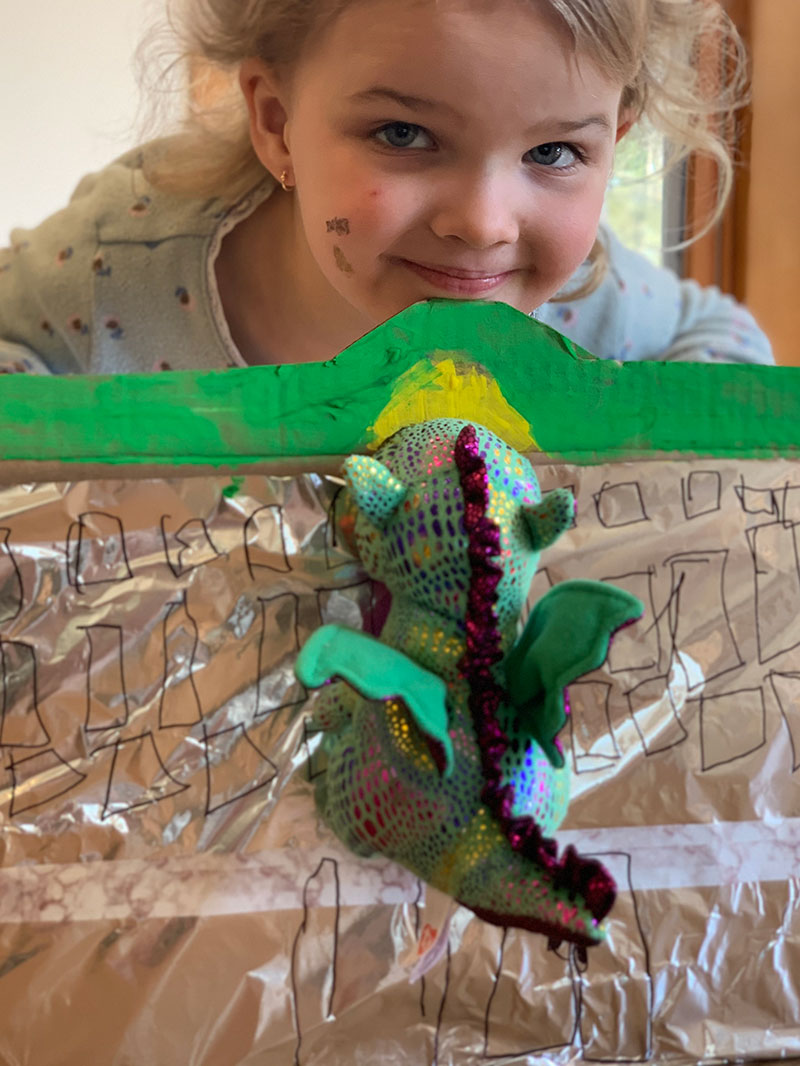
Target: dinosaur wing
378,672
567,634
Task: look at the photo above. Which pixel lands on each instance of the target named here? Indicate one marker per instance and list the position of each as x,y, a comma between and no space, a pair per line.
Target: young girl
376,153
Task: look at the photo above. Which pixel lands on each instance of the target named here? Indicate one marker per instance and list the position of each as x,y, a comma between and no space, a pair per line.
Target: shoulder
645,311
629,314
112,276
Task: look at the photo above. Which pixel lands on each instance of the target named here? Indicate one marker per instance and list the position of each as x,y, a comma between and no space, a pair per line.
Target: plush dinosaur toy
441,736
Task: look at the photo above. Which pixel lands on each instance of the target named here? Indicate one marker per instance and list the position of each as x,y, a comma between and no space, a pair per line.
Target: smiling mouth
458,281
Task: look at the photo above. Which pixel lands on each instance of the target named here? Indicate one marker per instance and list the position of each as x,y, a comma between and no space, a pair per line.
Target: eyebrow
414,103
419,103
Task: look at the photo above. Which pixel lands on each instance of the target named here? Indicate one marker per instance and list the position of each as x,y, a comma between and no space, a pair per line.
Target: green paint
233,489
579,409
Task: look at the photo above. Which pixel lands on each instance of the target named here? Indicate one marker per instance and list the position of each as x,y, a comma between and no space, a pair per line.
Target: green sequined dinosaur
441,735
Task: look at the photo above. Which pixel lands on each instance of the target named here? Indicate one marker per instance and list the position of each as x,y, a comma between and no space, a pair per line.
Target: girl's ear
265,99
624,123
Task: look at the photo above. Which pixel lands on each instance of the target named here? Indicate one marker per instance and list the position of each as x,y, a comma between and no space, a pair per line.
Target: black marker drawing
637,647
618,983
655,715
235,766
537,1027
316,763
137,776
180,703
315,952
756,501
21,725
789,505
697,607
188,547
265,540
277,687
786,688
336,552
38,779
11,595
701,493
732,725
620,505
591,732
106,692
776,568
96,552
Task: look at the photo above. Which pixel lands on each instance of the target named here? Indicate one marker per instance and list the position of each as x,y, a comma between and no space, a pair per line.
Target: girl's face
447,149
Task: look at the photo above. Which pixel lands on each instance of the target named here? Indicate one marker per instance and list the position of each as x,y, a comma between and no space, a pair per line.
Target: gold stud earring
282,180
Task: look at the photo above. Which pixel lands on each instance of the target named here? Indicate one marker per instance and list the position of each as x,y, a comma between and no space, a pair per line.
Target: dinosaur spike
377,492
548,520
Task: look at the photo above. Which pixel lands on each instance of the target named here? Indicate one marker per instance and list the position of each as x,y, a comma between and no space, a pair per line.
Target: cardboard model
168,893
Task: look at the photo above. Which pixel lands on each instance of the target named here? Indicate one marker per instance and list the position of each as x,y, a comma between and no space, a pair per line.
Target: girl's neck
278,306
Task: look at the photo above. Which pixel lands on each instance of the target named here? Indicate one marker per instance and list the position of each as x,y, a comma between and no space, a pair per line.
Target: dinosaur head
411,532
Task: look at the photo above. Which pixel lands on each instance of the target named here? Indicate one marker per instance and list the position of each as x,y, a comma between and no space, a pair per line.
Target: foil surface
169,897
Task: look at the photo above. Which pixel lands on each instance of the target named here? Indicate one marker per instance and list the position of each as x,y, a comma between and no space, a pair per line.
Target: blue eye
555,154
402,135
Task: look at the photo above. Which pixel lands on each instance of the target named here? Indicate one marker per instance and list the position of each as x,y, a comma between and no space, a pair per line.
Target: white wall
68,97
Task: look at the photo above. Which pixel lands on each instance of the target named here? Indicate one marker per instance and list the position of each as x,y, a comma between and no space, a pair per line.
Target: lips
456,280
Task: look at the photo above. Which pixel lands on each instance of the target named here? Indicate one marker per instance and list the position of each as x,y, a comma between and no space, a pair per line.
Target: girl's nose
480,210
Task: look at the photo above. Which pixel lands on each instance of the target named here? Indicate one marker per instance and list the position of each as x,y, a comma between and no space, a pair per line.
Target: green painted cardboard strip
579,408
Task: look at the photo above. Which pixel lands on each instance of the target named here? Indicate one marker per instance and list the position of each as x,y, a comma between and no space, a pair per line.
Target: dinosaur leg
505,888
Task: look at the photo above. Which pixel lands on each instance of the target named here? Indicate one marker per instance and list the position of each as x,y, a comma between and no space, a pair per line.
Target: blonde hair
654,48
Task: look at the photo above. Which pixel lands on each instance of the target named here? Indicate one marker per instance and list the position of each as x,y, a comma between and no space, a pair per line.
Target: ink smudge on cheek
341,226
341,260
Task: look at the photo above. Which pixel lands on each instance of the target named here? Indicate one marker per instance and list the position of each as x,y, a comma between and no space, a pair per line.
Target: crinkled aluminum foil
168,896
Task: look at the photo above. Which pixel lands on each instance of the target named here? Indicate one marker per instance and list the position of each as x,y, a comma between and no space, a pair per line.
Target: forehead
519,47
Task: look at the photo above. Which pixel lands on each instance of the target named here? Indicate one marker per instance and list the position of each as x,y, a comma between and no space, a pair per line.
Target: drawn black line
417,919
49,780
274,650
84,551
311,770
440,1015
169,642
777,631
620,504
11,592
703,591
701,493
118,689
210,763
486,1055
332,545
789,505
715,733
147,747
295,949
281,562
189,545
790,709
658,734
756,501
605,1021
640,637
590,721
21,729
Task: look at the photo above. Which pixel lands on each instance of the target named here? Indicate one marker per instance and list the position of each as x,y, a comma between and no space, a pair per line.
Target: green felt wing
566,635
378,672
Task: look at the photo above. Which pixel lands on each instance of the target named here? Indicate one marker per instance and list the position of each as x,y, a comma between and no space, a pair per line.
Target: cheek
571,232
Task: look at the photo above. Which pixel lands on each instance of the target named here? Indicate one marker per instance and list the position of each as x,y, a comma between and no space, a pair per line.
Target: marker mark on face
338,225
341,261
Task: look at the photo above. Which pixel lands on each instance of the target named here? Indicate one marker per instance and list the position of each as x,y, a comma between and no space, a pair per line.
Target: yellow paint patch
445,388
